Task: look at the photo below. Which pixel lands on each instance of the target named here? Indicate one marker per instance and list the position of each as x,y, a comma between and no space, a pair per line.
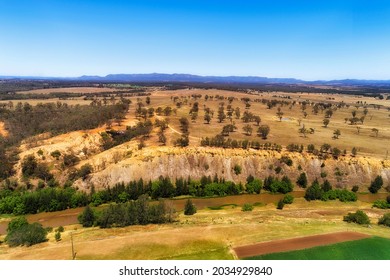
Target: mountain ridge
183,78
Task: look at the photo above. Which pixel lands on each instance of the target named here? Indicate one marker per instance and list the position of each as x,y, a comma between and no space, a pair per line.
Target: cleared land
374,248
296,243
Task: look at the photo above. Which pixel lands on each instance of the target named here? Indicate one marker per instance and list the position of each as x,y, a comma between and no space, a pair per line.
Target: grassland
374,248
209,234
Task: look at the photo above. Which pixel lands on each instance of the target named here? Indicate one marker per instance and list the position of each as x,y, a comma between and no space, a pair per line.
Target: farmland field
373,248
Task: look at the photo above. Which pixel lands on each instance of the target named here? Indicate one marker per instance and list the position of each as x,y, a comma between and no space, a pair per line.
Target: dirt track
298,243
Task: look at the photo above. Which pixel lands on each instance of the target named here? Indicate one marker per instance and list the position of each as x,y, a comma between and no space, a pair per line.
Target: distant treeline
68,95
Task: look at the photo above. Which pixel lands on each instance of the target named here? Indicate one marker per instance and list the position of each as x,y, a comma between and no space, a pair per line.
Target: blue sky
300,39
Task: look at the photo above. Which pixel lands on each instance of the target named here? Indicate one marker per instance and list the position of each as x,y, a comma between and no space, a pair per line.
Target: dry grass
286,131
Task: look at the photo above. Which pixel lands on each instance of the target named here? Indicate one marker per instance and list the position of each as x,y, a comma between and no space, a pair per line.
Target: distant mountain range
188,78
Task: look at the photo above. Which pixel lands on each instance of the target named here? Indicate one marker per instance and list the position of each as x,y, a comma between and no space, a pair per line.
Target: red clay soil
298,243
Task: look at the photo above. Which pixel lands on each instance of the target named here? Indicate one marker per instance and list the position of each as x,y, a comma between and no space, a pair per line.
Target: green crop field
374,248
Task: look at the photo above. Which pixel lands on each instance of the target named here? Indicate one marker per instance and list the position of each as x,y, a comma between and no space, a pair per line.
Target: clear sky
274,38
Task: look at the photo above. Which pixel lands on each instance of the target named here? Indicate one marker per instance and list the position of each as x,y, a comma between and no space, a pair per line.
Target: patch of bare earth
3,131
299,243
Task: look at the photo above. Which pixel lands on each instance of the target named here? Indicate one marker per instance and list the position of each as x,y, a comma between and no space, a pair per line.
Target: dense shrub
381,204
42,200
385,220
280,205
288,199
376,184
287,160
139,212
359,217
302,180
88,217
237,169
247,207
20,232
254,186
189,208
275,186
314,192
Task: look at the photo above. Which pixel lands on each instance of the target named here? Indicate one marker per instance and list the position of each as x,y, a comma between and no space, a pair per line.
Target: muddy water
69,217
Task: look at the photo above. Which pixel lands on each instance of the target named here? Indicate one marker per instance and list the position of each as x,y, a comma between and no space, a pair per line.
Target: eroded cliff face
126,162
150,163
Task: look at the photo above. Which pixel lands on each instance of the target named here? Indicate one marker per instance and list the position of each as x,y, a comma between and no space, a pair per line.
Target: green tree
376,185
325,122
385,220
57,236
280,205
20,232
207,118
302,180
88,217
189,208
248,129
263,131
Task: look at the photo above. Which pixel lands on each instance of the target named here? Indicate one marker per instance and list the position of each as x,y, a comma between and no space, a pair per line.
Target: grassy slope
374,248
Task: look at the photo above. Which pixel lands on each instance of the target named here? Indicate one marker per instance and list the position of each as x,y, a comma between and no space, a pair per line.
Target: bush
29,165
376,184
254,186
381,204
247,207
359,217
385,220
85,170
60,229
314,192
280,204
57,236
278,169
326,186
20,232
56,154
189,208
237,169
288,199
88,217
70,160
302,180
288,161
